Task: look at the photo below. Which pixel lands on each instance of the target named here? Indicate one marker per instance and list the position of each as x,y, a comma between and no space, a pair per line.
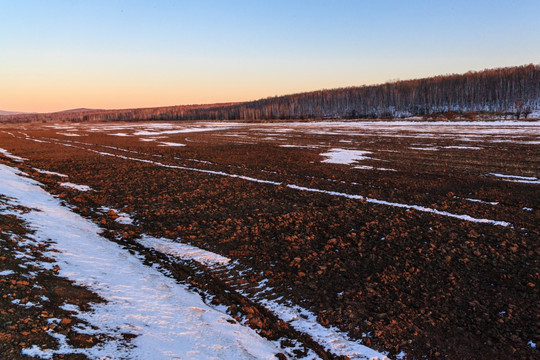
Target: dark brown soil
32,297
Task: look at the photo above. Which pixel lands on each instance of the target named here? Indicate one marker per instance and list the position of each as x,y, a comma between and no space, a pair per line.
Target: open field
417,240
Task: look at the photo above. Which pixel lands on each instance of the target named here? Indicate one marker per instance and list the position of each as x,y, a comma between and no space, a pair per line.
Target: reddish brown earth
398,280
40,295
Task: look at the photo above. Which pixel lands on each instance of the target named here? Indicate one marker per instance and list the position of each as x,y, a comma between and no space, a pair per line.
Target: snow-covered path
170,321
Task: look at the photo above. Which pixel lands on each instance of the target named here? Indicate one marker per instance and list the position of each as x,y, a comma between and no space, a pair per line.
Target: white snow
463,147
386,169
170,321
68,134
331,338
11,156
344,156
123,218
6,272
516,178
482,201
300,146
49,172
183,251
76,186
166,143
424,148
367,167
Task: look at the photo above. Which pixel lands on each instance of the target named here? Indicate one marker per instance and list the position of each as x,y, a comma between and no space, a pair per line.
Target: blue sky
115,54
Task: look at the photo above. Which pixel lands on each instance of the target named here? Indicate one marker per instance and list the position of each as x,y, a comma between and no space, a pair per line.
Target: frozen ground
344,156
169,321
332,160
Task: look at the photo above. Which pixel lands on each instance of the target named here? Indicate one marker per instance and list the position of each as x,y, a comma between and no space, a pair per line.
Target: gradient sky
56,55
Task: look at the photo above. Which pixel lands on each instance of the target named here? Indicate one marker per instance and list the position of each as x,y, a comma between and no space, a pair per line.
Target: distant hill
77,110
86,115
510,91
2,112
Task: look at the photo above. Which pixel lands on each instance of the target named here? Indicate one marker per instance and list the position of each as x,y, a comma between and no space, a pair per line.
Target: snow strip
331,338
183,251
518,179
405,206
301,319
482,201
170,321
165,143
424,148
344,156
49,172
531,178
76,186
9,155
463,147
300,146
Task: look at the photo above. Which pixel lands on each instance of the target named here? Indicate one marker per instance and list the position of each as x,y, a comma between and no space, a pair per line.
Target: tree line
511,90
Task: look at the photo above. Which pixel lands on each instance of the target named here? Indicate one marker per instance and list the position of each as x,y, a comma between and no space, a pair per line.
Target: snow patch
11,156
344,156
183,251
299,146
463,147
49,172
123,218
516,178
76,186
367,167
482,201
165,143
424,148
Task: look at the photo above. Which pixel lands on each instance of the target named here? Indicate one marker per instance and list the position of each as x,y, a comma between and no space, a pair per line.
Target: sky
57,55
